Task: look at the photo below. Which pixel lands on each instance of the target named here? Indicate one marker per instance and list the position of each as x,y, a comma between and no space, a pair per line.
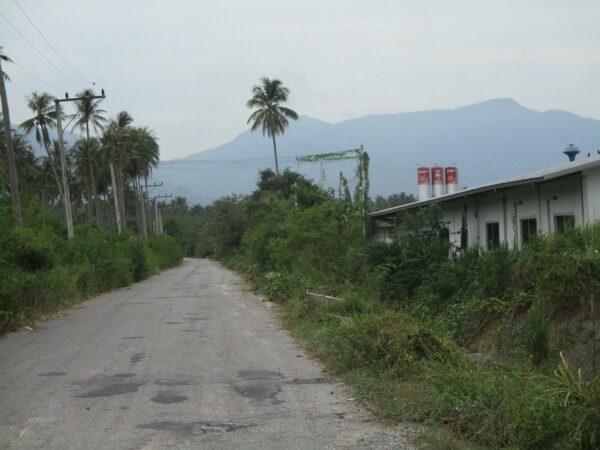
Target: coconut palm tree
88,113
115,146
10,155
42,105
144,156
267,97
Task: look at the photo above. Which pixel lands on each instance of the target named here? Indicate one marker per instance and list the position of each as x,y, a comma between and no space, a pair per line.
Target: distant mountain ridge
69,138
489,140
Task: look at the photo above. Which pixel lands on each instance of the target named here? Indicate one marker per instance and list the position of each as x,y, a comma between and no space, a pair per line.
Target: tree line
107,167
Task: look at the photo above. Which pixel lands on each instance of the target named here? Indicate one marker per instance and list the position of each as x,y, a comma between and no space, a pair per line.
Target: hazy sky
185,68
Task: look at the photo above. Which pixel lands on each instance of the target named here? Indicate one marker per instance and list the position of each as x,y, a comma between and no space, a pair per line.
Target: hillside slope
488,140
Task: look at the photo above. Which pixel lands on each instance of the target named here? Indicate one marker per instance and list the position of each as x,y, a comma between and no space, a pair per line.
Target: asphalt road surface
185,359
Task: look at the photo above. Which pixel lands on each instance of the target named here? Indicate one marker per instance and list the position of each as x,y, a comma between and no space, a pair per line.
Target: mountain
487,141
68,137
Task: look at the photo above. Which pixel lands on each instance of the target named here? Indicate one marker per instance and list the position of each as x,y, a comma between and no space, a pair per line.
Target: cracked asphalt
185,359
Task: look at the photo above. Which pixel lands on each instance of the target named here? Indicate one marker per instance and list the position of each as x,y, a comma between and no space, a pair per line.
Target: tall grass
411,309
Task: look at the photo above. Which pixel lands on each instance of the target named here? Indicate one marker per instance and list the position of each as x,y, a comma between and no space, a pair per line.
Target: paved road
186,359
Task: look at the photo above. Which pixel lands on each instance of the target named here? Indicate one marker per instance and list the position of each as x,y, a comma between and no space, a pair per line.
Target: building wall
576,195
591,189
510,206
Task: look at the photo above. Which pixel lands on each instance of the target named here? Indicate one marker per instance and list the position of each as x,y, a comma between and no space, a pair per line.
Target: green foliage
535,329
407,309
41,270
392,200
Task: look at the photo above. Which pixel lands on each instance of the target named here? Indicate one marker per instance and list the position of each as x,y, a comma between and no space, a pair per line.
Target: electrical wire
108,106
37,78
40,53
186,162
51,46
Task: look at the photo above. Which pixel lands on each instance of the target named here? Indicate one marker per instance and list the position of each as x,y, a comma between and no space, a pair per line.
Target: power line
109,108
187,162
39,52
37,78
50,45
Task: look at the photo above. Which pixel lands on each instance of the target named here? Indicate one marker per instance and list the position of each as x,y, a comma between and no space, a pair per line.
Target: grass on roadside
402,372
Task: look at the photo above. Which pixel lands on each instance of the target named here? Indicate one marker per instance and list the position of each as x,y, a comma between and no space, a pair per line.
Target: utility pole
115,194
157,216
63,161
144,203
63,169
10,152
363,183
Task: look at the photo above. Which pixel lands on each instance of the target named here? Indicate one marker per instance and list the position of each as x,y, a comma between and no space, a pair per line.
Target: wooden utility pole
10,154
157,216
63,161
115,195
143,200
63,169
363,182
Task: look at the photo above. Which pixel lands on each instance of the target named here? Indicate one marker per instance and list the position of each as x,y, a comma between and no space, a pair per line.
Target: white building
510,211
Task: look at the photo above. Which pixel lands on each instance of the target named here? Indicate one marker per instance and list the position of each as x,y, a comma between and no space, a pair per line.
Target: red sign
438,175
423,175
451,175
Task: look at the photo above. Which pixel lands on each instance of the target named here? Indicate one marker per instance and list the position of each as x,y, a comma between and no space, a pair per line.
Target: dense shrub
40,270
408,311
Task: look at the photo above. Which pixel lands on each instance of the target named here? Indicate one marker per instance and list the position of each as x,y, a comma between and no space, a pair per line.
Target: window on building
564,223
493,235
528,229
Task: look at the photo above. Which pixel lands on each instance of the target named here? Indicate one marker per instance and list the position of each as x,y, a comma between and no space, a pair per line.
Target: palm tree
144,156
88,113
273,117
115,145
45,118
10,155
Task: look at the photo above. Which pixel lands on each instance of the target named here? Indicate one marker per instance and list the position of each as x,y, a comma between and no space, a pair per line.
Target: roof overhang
531,178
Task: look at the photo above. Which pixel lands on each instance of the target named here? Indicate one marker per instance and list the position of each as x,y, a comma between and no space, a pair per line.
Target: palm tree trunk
54,171
138,212
143,208
121,194
10,155
93,193
115,196
275,153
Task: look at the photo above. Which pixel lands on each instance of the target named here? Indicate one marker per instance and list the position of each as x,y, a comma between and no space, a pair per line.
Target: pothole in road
137,357
189,429
261,392
133,337
253,374
171,323
173,382
52,374
112,389
300,381
168,397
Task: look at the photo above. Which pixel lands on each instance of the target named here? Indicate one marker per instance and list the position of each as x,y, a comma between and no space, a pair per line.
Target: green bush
41,270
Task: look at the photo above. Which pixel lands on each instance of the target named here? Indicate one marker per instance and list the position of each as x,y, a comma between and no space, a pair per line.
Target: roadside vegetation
492,350
41,270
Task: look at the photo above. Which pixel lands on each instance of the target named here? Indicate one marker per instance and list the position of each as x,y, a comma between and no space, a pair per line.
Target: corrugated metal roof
537,176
